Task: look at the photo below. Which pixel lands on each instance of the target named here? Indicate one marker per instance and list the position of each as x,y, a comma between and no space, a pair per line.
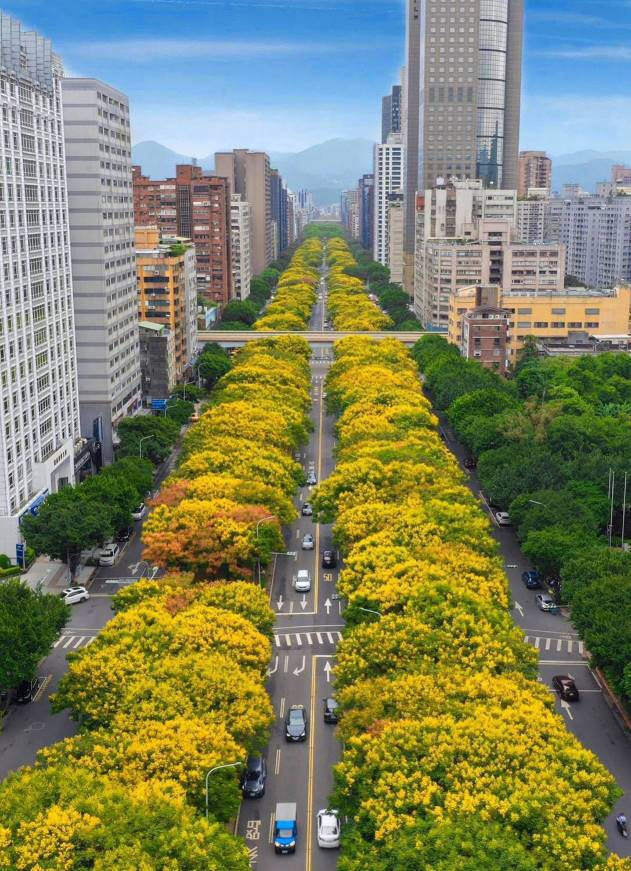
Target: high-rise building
350,211
100,199
534,171
532,213
451,210
39,414
276,199
391,113
195,205
366,210
167,290
389,167
157,360
249,174
240,244
395,236
463,95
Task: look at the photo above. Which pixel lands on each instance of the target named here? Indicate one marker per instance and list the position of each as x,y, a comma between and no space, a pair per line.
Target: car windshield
285,833
295,717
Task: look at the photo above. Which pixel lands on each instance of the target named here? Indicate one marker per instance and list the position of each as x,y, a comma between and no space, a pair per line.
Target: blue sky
286,74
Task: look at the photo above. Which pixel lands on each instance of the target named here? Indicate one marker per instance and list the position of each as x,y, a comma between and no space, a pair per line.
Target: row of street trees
553,447
174,685
296,291
453,754
348,302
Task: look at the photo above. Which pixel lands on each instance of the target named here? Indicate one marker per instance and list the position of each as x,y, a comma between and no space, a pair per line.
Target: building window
592,311
558,311
541,325
558,325
524,325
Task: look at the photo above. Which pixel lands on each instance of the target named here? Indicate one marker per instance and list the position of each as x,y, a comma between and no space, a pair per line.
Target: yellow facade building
548,315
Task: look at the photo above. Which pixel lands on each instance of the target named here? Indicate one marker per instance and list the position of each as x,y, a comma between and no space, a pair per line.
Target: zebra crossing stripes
298,639
73,642
556,645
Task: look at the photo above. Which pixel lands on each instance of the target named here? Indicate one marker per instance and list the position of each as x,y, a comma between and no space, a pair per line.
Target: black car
329,559
296,723
565,687
25,692
125,534
330,710
253,782
531,579
470,463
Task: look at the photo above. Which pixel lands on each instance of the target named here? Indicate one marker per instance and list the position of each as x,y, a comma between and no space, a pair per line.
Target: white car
503,518
328,829
302,583
72,595
139,513
545,602
109,555
307,542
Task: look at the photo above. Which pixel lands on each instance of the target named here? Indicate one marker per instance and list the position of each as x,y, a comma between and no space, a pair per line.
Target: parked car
330,710
307,542
26,691
545,602
302,584
503,518
125,534
565,687
296,723
253,782
311,479
328,829
306,510
531,579
72,595
139,512
109,555
470,463
329,559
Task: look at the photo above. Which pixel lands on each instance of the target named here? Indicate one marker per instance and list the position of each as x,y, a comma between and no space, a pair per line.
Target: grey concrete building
157,360
391,113
39,408
464,61
101,212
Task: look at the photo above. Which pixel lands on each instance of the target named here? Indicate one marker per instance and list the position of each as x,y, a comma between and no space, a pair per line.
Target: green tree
180,411
163,432
137,472
119,497
68,522
29,623
212,364
240,310
549,548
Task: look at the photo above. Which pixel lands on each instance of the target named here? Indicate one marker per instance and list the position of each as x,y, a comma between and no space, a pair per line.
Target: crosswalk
73,642
299,639
556,645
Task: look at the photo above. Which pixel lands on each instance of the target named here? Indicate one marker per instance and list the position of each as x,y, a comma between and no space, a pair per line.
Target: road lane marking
286,669
560,644
77,642
69,641
281,712
271,827
311,765
42,687
277,764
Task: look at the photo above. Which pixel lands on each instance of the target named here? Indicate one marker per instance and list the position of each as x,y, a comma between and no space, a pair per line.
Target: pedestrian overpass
325,338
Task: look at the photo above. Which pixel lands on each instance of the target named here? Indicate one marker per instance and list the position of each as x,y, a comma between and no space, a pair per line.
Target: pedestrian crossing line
298,639
557,645
73,641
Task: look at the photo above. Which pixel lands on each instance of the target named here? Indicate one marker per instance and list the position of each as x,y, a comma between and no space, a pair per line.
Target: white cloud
191,132
589,52
566,124
141,51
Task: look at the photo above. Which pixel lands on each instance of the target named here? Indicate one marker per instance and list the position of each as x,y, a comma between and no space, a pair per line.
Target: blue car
531,579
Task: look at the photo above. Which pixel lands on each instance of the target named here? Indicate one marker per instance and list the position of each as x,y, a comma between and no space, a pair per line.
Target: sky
205,75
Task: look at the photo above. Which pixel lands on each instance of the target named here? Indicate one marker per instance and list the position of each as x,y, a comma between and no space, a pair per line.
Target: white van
302,581
109,555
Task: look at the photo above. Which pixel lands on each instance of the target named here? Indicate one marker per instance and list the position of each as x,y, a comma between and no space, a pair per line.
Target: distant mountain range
330,167
586,167
325,169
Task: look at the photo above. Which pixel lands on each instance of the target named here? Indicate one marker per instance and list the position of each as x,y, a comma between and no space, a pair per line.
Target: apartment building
167,290
366,209
100,197
451,209
388,172
240,245
546,315
155,202
391,113
39,412
532,215
249,174
484,331
396,226
493,256
534,170
157,361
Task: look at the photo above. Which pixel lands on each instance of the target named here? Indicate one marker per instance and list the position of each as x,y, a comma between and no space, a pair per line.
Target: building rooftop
150,325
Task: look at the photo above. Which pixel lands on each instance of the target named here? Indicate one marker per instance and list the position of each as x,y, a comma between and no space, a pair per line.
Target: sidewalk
51,576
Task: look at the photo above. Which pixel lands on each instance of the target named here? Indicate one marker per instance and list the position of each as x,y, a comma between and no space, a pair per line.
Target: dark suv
296,723
565,687
331,710
329,559
253,782
531,579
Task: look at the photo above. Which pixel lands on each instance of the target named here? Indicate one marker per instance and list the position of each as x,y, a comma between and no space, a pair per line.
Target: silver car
307,542
328,829
545,602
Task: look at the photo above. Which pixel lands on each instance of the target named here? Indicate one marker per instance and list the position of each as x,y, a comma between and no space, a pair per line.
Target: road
306,634
562,652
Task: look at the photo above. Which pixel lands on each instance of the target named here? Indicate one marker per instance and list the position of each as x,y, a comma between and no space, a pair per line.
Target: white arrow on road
327,671
271,671
566,708
303,602
280,603
300,670
327,605
133,567
510,566
519,608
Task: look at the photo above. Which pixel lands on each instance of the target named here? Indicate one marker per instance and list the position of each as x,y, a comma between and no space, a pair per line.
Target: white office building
101,212
240,235
389,168
39,413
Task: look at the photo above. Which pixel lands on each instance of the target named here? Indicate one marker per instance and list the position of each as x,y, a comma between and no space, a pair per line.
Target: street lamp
186,383
166,406
258,559
217,768
143,439
369,611
534,502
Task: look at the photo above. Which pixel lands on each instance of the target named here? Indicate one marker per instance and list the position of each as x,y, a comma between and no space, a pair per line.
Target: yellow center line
311,764
316,604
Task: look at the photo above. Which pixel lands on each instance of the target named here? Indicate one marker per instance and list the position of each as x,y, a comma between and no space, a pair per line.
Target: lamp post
166,407
258,559
185,385
217,768
143,439
369,611
534,502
